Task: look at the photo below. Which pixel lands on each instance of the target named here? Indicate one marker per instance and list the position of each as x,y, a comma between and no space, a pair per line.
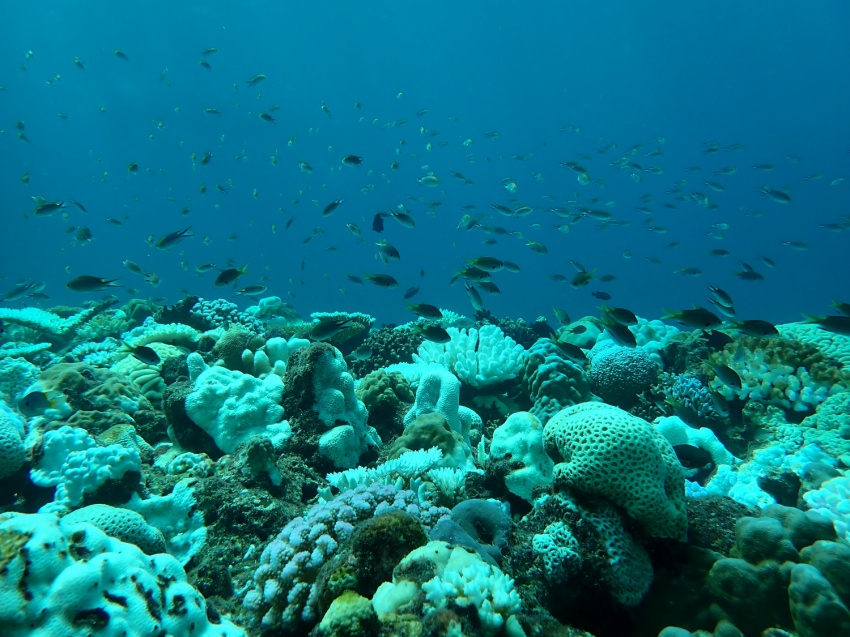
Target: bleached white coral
478,357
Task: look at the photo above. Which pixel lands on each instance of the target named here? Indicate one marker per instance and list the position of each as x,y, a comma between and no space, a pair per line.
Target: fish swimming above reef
88,283
230,275
173,238
838,324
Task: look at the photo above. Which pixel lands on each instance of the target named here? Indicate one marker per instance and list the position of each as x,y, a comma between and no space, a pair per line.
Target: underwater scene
378,319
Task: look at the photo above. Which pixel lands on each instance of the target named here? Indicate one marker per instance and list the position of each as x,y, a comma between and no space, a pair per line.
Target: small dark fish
561,316
778,196
698,317
259,77
114,221
842,307
838,324
174,237
143,353
86,283
120,54
756,328
252,290
411,292
489,287
726,375
206,267
571,352
362,353
354,279
717,340
133,167
84,235
474,296
381,280
426,311
621,334
602,296
266,117
403,218
81,207
581,279
378,222
326,329
607,278
748,273
721,296
331,207
433,333
35,403
231,275
691,457
352,160
619,315
44,207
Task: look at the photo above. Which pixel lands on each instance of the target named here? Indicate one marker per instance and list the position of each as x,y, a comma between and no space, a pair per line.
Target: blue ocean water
558,81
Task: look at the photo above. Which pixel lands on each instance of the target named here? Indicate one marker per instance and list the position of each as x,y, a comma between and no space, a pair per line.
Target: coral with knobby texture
359,327
284,595
520,439
606,551
122,524
433,430
328,422
369,556
439,391
677,432
552,382
603,451
478,357
72,461
222,313
389,345
830,344
12,430
272,307
272,357
452,578
109,323
232,407
778,371
832,501
63,578
753,590
692,399
150,331
619,375
829,426
387,397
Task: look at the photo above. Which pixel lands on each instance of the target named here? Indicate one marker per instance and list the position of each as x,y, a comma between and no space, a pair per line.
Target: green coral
779,371
387,397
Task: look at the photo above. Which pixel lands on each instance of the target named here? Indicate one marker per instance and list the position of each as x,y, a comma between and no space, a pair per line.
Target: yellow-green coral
780,371
836,346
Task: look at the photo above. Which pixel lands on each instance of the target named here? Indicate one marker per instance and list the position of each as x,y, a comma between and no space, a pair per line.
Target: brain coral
602,450
620,374
552,381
